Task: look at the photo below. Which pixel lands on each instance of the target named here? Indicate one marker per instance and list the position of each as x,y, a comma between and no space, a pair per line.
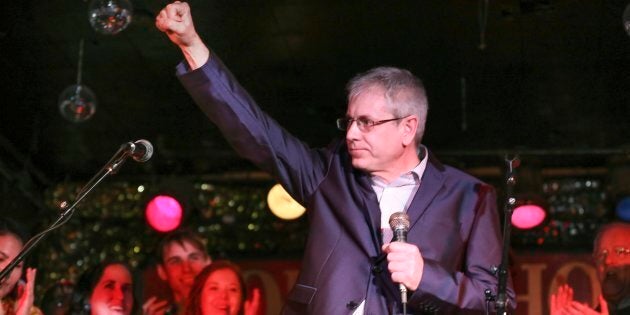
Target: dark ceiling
554,75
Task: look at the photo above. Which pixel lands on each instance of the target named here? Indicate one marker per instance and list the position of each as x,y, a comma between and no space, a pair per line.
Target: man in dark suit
351,188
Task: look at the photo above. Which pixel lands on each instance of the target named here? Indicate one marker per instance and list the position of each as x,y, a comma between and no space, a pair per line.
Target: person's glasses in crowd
364,124
619,252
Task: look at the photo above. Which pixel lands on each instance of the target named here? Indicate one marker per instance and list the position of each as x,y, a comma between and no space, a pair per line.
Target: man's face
612,253
181,264
10,247
612,250
377,149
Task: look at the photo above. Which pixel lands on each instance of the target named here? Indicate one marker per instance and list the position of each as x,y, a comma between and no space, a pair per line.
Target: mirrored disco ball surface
77,103
110,17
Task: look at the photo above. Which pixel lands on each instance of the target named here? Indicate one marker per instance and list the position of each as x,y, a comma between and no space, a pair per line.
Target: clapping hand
562,303
26,294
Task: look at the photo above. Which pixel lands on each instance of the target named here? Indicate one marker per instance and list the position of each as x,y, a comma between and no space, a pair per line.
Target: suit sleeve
250,131
462,291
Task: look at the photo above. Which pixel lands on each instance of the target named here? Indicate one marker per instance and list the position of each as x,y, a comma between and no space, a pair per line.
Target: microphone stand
67,210
501,303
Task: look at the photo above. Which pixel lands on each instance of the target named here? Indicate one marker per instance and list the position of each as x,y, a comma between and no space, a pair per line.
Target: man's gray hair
403,91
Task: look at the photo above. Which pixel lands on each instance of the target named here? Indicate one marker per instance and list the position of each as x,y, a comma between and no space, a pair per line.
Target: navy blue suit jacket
453,216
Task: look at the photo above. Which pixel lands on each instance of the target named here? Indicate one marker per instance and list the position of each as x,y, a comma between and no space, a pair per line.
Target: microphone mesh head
148,150
399,221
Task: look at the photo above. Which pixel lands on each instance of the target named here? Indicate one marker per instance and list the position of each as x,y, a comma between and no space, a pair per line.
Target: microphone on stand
399,223
140,151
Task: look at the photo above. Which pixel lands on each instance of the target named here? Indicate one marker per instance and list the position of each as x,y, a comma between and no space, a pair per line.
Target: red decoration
163,213
528,216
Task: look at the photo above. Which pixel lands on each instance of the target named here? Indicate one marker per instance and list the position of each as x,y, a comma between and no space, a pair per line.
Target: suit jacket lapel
431,183
371,210
360,186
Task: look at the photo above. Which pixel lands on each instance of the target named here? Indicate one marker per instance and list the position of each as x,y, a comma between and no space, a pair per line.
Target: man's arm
462,290
249,130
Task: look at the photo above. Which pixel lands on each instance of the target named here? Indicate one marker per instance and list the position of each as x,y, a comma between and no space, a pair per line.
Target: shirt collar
412,177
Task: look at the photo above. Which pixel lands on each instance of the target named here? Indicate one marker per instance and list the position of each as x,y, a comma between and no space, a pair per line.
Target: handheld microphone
140,151
399,223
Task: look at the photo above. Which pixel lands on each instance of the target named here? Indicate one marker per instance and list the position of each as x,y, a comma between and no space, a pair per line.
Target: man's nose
352,130
188,266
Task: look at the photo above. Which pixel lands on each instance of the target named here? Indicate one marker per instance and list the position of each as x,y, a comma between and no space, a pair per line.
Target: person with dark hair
17,296
611,254
57,299
352,187
220,289
182,256
106,289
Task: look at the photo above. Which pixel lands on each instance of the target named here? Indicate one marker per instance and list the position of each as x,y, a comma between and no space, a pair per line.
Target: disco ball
109,17
77,103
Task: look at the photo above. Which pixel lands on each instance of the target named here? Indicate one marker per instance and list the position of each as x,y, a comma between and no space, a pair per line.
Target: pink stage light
528,216
163,213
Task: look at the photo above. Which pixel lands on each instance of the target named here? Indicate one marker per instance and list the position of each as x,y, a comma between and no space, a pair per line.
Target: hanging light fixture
483,23
164,213
530,210
282,204
110,17
626,19
529,213
77,103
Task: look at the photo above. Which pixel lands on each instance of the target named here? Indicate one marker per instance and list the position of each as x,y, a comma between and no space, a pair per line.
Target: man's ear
208,260
161,272
409,127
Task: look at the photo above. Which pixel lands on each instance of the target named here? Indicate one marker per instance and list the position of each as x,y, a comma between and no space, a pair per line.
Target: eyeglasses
364,124
620,252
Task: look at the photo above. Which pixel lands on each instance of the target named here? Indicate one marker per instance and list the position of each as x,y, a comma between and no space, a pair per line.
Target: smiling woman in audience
107,289
220,289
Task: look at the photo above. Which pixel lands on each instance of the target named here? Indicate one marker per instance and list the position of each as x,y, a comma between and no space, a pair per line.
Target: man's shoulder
461,174
451,173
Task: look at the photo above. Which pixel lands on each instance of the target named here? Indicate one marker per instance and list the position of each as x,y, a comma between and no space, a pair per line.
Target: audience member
57,299
106,289
183,255
17,296
220,289
612,260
